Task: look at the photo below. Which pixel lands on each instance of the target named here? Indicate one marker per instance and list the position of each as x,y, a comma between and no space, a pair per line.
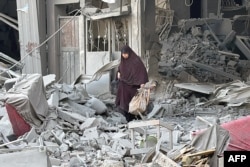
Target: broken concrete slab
59,136
30,136
162,160
119,149
234,94
112,163
88,123
97,105
90,133
118,135
78,108
51,147
54,99
54,161
186,77
205,88
155,111
48,79
212,69
73,118
25,158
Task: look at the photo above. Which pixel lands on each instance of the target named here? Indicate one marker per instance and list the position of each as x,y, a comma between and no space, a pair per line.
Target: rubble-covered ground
80,129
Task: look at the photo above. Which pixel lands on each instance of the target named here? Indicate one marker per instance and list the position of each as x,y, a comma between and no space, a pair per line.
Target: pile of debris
198,51
44,123
66,126
42,118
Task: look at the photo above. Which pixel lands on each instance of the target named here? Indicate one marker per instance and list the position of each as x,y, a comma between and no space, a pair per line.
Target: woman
132,75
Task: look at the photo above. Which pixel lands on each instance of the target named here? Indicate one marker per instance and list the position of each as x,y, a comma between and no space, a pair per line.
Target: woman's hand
118,75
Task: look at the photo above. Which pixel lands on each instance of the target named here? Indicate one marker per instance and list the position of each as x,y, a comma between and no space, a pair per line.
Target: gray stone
97,105
90,133
112,163
90,122
26,158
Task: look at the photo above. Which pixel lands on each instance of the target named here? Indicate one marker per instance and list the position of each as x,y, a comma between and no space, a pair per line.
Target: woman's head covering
132,69
125,49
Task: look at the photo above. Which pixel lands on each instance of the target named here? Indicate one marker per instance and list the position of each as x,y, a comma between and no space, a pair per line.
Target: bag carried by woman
139,102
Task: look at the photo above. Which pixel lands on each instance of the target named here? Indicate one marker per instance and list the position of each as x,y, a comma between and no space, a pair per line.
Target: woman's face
125,55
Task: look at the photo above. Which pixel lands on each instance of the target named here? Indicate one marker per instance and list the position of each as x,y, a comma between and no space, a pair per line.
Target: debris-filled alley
59,80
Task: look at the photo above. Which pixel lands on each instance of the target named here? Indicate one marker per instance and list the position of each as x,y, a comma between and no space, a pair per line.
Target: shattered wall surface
176,51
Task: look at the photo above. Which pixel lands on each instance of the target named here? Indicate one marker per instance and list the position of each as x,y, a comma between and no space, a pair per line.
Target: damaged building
58,64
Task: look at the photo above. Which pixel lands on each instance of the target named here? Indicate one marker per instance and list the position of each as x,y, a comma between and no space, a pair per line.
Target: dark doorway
9,37
239,2
195,9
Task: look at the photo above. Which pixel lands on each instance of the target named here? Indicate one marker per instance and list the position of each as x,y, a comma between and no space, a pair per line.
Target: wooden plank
187,159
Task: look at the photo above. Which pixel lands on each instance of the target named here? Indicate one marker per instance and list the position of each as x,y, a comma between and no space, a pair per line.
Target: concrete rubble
202,92
79,129
198,52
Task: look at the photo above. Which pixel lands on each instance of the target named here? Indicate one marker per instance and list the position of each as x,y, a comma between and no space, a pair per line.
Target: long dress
132,74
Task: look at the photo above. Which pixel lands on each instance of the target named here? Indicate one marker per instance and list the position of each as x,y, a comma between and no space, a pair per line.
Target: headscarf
132,69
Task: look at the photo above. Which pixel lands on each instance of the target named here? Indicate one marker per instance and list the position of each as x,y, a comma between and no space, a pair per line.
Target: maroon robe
132,74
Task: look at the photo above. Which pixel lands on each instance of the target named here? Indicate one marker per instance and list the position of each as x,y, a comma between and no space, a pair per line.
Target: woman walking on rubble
131,75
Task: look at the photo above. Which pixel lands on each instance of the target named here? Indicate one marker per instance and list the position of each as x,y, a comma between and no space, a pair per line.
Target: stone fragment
112,163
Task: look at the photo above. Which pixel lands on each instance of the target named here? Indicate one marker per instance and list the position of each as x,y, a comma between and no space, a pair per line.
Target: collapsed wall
208,62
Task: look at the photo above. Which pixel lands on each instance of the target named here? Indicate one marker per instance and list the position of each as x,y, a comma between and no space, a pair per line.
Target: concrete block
81,109
59,136
155,111
73,118
64,147
129,161
97,105
119,135
54,99
51,146
54,161
90,133
26,158
49,79
90,122
31,135
112,163
119,149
